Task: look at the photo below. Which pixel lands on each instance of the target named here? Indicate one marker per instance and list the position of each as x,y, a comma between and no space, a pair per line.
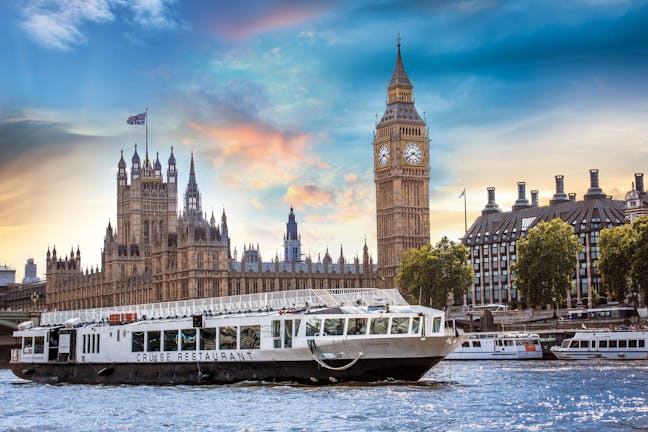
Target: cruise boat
309,336
613,345
499,346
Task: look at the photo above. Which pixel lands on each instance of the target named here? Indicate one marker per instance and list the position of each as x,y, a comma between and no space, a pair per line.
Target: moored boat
311,336
613,345
498,346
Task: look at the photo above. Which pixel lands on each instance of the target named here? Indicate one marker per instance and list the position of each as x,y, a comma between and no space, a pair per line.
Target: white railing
236,304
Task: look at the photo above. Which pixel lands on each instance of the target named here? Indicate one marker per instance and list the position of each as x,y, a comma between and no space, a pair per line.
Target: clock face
413,153
383,155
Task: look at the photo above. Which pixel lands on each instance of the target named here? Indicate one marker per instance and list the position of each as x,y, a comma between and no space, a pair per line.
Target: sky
278,100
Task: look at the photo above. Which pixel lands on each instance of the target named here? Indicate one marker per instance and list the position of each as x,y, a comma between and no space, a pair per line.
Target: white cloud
57,23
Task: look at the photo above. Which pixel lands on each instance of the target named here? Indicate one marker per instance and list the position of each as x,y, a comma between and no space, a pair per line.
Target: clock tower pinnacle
401,176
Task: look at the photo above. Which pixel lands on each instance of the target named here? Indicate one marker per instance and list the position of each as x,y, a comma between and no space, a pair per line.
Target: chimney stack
521,202
560,196
491,207
534,198
639,186
594,192
572,196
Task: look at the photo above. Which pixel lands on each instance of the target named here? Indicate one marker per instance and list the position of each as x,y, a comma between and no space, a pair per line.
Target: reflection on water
454,396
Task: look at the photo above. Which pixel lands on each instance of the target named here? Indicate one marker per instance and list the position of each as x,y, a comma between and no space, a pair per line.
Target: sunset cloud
244,19
308,195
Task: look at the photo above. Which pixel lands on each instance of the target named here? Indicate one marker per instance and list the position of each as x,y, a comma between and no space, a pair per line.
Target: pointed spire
399,77
172,160
122,162
192,171
158,165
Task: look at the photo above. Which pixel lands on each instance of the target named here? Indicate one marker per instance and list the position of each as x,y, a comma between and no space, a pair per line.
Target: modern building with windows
492,240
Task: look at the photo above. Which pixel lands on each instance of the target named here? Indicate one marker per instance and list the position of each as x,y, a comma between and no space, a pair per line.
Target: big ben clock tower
402,177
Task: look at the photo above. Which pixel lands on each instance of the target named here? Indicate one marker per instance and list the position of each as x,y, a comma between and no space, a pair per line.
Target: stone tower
292,240
401,175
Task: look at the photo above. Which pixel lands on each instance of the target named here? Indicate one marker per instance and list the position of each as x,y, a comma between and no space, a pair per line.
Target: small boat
612,345
309,336
499,346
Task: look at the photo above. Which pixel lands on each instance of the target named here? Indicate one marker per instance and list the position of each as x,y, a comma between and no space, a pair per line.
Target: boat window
313,326
288,324
276,333
357,326
416,325
334,326
251,337
188,341
623,344
153,341
39,344
565,344
297,324
631,344
476,344
584,344
436,325
603,344
642,343
84,345
27,345
207,338
593,344
520,342
465,344
613,344
94,338
574,344
227,338
137,344
400,325
97,343
170,340
378,326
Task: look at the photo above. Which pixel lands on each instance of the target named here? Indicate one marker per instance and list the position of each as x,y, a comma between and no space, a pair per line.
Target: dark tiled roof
583,216
402,112
399,77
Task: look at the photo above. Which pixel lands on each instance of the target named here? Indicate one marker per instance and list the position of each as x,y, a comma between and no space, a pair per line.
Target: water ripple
454,396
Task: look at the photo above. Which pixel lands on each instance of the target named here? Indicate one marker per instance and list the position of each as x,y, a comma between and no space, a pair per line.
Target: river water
454,396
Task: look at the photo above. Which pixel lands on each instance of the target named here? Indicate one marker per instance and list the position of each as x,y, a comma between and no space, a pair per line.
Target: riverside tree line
546,261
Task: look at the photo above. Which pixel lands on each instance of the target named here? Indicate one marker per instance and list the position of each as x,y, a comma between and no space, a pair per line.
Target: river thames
453,396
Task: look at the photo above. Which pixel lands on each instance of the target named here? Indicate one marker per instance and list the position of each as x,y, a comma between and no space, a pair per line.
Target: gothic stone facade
155,254
401,176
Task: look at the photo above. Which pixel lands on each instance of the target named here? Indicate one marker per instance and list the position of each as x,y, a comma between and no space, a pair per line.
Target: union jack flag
138,119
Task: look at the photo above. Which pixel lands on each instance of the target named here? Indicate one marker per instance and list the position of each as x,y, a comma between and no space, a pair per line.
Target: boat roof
247,303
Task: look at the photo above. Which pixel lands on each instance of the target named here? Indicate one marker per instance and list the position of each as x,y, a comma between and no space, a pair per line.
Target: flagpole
465,213
146,125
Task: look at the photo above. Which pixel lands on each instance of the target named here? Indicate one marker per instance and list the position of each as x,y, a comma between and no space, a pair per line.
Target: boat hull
307,372
592,355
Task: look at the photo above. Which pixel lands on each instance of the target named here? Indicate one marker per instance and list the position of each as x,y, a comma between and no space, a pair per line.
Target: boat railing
235,304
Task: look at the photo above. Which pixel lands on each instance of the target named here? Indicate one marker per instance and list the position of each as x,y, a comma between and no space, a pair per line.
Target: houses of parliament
156,254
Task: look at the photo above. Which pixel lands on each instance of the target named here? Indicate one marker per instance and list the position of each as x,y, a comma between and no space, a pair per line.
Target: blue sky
278,100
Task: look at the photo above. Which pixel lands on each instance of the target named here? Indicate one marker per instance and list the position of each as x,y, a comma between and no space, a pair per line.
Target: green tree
639,266
615,263
546,260
435,272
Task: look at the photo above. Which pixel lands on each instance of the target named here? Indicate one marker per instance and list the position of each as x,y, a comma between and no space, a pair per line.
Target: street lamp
554,308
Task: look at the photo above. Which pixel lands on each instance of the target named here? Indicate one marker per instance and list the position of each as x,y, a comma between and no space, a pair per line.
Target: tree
546,260
435,272
639,266
615,263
